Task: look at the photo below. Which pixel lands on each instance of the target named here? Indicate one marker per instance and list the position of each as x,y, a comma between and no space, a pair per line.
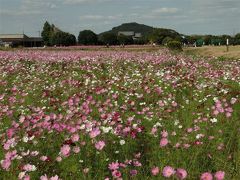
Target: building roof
138,35
126,33
18,37
13,36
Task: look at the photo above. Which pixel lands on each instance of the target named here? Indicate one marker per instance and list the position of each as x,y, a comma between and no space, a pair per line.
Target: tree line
53,36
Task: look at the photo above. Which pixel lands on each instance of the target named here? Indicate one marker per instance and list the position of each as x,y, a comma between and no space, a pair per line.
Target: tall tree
47,33
87,37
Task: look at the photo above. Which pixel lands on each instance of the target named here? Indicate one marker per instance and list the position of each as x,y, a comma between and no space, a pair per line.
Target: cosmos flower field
118,115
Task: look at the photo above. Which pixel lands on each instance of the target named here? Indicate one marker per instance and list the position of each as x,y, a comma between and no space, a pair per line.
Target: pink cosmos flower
59,159
174,104
65,150
54,177
116,174
113,166
181,173
233,100
154,130
100,145
228,114
21,175
86,170
168,171
215,112
155,171
219,175
137,163
6,164
10,132
76,149
43,158
75,137
27,177
95,132
11,155
206,176
133,172
29,167
164,134
163,142
189,130
44,177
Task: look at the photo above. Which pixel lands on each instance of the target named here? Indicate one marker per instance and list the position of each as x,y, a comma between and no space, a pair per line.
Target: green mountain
148,33
137,28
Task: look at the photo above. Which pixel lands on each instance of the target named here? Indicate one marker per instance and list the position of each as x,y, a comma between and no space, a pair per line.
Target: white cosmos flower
21,175
122,142
25,139
34,168
213,120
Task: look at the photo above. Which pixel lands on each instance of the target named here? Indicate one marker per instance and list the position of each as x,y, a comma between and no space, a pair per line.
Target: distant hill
137,28
147,33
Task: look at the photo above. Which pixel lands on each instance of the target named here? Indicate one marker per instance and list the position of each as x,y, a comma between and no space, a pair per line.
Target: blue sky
185,16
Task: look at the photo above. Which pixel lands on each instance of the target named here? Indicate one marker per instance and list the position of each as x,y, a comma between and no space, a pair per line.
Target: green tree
207,39
122,39
109,39
87,37
174,45
166,40
191,39
47,33
142,40
237,39
63,39
159,34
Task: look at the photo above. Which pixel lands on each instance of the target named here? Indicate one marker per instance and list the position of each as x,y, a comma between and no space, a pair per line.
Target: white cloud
91,17
20,13
165,10
83,1
162,13
29,7
37,4
99,17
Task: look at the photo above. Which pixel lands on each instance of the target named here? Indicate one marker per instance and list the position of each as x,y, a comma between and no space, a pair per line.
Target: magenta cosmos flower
206,176
168,171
